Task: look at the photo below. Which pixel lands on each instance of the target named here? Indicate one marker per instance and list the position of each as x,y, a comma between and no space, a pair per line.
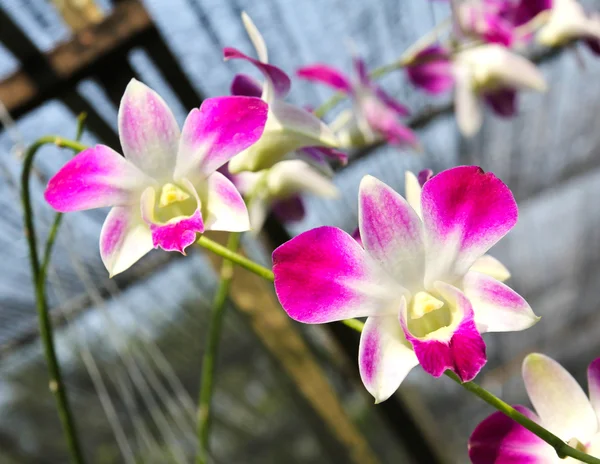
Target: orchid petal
326,75
256,38
360,68
413,192
561,403
148,131
223,206
384,121
288,128
323,275
124,239
468,109
593,375
502,101
356,236
391,232
291,177
491,266
289,210
465,212
458,347
258,209
424,175
95,178
278,83
219,130
499,439
384,356
431,70
245,86
391,102
497,307
319,153
177,233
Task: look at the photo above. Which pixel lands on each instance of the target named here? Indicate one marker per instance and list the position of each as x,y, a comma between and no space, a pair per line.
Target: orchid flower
569,22
288,127
562,407
490,73
496,21
413,278
166,189
278,189
375,114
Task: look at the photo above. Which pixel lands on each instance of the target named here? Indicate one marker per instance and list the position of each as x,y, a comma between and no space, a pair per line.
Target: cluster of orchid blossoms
417,267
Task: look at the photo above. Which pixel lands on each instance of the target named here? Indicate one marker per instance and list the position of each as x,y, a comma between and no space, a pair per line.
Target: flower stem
56,383
562,449
236,258
210,352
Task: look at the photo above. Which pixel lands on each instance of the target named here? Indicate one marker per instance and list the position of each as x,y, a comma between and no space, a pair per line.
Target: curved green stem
210,352
56,383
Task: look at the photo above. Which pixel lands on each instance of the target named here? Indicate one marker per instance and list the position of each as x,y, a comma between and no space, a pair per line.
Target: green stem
56,383
562,449
210,352
236,258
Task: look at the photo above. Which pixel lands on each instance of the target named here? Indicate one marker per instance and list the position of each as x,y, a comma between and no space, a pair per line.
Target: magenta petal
593,44
465,212
431,70
462,350
500,440
177,235
219,130
323,275
529,9
245,86
319,153
593,375
361,71
279,79
289,210
391,103
356,236
391,232
424,175
384,121
503,102
95,178
326,75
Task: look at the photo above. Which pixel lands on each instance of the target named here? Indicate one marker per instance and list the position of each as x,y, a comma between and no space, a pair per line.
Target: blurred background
131,346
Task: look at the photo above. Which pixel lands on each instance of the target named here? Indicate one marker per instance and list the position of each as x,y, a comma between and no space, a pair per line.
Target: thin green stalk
236,258
210,352
58,217
56,383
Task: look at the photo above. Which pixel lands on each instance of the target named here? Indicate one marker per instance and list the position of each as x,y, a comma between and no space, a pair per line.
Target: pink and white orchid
562,407
490,73
166,189
278,189
569,22
413,278
288,127
375,114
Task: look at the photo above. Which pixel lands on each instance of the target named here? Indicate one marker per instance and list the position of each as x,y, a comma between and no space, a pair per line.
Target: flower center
427,314
170,193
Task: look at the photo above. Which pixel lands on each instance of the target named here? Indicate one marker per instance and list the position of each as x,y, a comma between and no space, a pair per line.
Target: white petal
124,239
413,192
291,177
489,265
468,108
560,402
256,38
384,356
497,307
222,205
